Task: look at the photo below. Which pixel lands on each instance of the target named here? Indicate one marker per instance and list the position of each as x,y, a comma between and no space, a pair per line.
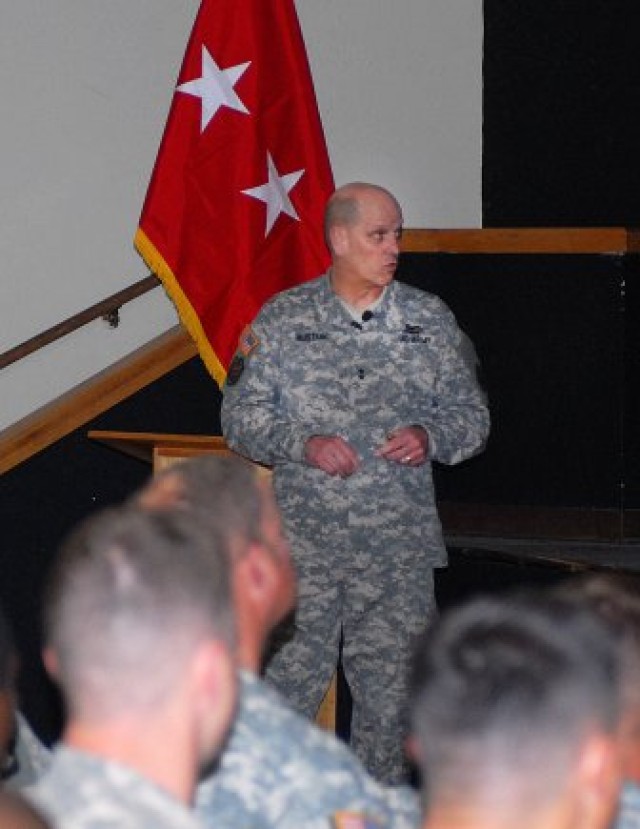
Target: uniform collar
330,308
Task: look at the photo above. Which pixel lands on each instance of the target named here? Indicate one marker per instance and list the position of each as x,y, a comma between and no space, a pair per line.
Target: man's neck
249,655
353,292
254,623
155,752
465,815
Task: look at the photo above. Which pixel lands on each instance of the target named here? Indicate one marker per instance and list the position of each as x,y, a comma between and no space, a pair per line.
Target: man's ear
599,778
338,239
256,570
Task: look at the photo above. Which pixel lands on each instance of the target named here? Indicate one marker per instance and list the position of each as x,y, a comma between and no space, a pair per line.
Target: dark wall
561,81
549,332
561,134
632,388
45,497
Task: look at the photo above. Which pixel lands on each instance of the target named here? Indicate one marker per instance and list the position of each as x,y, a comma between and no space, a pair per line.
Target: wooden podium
163,450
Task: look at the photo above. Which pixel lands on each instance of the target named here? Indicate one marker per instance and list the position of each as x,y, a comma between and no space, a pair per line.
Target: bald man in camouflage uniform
350,385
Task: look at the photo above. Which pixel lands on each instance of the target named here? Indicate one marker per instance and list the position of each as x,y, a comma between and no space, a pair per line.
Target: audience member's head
139,631
616,600
235,506
515,711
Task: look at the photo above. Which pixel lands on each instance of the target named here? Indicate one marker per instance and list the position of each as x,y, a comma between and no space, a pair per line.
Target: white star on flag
275,194
215,88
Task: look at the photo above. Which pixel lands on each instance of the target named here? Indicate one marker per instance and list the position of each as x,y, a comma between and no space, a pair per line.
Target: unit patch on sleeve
235,370
248,341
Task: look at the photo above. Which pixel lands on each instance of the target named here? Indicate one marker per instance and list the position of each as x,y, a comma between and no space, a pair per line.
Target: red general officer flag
234,208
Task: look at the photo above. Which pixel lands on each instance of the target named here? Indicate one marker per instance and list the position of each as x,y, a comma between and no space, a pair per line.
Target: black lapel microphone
366,316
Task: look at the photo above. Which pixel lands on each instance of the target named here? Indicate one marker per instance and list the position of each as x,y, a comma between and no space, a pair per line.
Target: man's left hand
408,446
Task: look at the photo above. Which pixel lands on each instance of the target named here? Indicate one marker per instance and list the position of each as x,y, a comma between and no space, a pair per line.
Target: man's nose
393,245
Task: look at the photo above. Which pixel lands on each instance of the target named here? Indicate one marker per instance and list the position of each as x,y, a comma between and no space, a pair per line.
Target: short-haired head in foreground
515,706
132,597
220,492
615,598
236,507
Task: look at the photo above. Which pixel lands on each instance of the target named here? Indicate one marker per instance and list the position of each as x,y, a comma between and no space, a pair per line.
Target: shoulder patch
248,341
235,370
354,820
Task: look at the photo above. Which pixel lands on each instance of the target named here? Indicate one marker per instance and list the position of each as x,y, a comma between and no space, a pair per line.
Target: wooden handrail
100,309
96,395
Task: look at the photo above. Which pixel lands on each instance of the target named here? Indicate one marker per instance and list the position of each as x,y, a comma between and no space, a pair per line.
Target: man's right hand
332,454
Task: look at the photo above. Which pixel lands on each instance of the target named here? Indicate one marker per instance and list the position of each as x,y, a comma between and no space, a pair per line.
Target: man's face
367,251
273,539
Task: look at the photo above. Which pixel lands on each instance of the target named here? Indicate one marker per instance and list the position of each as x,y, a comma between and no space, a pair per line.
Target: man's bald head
343,207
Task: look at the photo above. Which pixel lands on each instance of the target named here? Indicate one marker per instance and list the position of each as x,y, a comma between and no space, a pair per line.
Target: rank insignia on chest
353,820
248,341
414,334
311,336
414,338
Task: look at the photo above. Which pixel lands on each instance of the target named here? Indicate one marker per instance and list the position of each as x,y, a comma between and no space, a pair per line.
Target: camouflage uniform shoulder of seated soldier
28,757
16,813
279,770
83,791
628,816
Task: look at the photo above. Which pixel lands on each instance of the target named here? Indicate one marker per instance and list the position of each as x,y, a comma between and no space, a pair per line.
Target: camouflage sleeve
253,422
628,816
458,423
32,758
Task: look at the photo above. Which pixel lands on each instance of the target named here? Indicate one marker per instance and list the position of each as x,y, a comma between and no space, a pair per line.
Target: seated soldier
616,599
278,769
138,636
515,713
